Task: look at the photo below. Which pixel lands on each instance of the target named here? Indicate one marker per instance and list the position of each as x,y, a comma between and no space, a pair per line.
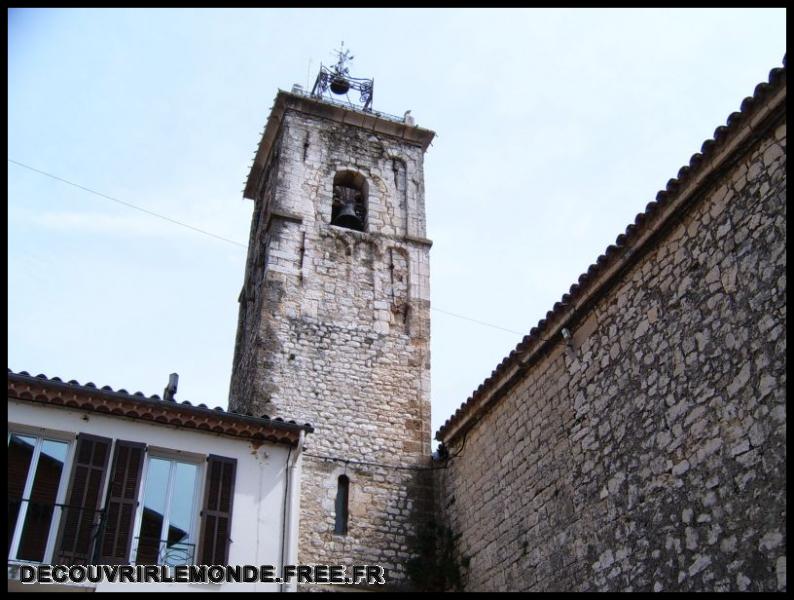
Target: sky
555,127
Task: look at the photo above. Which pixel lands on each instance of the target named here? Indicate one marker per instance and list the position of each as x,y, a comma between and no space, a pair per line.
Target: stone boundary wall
650,454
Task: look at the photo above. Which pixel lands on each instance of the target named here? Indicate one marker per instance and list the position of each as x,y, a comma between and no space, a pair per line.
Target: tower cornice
367,120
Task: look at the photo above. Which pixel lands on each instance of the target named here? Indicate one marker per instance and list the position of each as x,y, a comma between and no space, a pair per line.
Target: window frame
70,438
173,456
41,434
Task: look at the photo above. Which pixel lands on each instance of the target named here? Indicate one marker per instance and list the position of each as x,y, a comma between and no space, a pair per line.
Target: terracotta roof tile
777,77
236,423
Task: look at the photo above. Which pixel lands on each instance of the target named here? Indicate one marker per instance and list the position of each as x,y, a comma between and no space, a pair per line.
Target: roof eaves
627,247
154,402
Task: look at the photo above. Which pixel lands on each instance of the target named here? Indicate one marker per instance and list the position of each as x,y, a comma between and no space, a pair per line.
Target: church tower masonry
334,323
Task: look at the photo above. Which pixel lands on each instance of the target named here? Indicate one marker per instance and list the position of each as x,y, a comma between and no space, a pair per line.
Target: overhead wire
128,204
214,235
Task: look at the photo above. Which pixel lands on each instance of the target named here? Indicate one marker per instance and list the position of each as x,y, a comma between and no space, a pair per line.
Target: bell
340,85
347,217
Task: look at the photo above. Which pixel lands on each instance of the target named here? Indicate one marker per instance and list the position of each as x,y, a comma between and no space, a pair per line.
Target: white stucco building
97,476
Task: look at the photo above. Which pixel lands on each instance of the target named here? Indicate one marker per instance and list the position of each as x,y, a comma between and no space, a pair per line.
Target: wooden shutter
80,518
122,502
216,516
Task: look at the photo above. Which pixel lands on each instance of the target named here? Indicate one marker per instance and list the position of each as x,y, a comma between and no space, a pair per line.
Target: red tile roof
54,391
626,245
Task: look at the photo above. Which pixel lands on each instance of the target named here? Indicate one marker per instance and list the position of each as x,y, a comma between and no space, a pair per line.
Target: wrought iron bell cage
339,82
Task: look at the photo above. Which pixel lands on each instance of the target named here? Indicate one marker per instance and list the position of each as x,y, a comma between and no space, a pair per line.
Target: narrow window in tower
342,493
349,204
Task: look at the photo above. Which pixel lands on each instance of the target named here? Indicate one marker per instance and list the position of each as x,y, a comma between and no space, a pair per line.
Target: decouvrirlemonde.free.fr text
302,574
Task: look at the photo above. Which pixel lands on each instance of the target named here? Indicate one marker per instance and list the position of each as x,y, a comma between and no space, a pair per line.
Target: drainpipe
289,535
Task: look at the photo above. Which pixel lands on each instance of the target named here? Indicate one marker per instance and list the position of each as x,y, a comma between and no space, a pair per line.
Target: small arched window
342,494
349,204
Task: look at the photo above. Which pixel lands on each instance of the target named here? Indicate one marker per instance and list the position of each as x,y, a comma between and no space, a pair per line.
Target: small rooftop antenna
170,389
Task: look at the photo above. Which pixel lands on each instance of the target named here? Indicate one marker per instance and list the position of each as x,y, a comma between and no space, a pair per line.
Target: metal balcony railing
75,534
150,551
299,91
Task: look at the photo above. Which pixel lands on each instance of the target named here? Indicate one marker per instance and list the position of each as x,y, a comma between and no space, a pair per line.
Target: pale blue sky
555,127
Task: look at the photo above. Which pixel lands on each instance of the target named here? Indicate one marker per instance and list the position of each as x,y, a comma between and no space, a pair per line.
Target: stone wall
651,455
334,330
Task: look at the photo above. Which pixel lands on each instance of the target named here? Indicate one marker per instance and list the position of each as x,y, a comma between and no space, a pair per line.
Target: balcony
51,533
150,551
38,531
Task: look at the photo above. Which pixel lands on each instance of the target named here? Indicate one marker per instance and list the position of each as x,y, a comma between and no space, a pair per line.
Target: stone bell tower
334,325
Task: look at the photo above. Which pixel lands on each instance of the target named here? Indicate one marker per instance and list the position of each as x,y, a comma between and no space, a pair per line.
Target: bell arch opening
349,204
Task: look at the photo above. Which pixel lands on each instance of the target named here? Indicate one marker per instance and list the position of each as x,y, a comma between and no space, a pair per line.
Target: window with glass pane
168,513
35,474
